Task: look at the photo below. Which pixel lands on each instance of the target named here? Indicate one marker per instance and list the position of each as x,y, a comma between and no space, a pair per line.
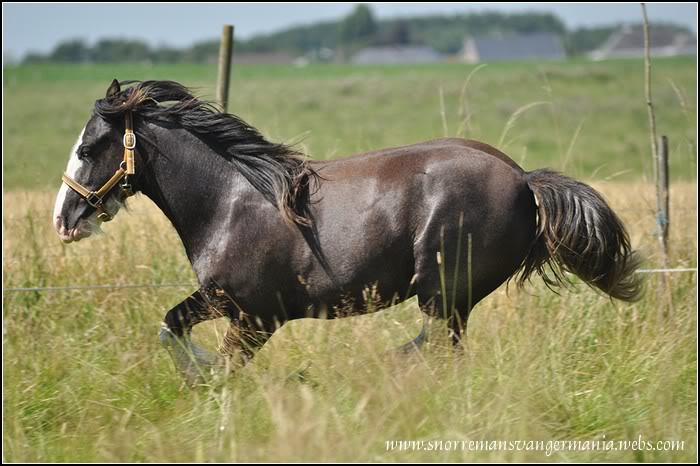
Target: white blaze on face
74,165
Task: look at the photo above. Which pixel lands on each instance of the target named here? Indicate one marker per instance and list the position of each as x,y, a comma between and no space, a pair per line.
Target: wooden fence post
663,222
225,52
662,199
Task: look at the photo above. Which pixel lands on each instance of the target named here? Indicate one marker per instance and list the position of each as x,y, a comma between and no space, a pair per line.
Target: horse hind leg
242,340
438,298
456,317
417,343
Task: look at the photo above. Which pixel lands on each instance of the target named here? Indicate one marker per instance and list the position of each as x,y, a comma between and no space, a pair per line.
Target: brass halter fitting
126,168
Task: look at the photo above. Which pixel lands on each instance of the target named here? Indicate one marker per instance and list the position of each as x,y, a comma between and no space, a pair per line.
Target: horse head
96,180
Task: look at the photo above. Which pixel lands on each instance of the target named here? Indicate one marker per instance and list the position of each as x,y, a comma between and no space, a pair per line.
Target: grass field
588,119
86,380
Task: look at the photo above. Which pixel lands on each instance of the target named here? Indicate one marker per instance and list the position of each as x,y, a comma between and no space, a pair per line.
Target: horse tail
578,232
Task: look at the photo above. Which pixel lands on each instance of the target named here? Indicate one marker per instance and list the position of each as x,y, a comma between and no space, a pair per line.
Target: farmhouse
628,42
396,55
540,46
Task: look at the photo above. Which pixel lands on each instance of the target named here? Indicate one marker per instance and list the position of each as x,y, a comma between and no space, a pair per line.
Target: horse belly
367,254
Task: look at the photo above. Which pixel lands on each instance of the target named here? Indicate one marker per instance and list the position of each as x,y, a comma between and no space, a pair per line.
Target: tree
120,51
398,33
71,51
359,25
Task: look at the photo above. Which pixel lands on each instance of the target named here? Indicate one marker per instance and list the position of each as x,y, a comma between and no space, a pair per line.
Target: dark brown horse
273,237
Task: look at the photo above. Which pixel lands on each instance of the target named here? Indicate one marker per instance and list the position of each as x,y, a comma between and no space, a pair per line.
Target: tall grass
86,380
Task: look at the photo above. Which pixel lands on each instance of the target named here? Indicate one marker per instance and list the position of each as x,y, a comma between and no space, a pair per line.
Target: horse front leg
192,361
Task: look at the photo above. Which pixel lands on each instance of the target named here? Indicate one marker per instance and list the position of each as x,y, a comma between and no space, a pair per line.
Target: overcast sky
39,27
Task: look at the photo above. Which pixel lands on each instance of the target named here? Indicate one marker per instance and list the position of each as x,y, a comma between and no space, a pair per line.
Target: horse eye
83,151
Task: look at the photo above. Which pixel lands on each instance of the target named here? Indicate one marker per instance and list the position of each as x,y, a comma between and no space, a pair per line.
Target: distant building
628,42
396,55
266,58
540,46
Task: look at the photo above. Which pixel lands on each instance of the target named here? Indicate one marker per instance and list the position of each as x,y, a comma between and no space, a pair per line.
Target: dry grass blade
514,119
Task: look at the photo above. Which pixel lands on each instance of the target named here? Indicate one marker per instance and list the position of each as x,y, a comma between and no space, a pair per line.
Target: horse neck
192,184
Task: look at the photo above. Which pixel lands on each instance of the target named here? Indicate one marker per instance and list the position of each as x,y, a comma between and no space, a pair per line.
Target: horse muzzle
82,230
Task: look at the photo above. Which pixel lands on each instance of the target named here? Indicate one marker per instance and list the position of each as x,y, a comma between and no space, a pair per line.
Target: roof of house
396,54
518,47
629,42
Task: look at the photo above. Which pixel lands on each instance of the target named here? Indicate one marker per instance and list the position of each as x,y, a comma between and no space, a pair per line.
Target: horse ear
114,89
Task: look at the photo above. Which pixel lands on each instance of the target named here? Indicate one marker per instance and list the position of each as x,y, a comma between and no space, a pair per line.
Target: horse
273,236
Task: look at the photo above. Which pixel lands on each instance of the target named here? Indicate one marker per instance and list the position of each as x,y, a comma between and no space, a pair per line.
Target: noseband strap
126,168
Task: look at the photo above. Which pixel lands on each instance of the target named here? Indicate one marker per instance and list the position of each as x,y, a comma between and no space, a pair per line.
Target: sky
40,26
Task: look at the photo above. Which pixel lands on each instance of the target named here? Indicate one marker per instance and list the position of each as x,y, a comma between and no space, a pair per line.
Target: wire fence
188,285
686,269
97,287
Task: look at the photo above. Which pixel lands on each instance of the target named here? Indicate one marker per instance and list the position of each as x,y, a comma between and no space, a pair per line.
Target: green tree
397,33
204,52
358,26
120,51
71,51
165,54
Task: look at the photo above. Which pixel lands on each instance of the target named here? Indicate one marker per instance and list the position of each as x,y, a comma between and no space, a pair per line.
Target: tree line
444,33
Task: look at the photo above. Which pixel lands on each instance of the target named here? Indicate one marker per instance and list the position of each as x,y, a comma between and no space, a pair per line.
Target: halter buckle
129,141
93,199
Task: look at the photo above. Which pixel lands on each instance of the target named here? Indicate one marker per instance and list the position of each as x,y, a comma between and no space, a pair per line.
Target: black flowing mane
279,172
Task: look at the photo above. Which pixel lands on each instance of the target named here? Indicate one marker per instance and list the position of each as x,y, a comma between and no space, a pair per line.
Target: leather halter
126,168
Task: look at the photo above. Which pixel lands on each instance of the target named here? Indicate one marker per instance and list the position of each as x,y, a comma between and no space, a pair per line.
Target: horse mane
277,171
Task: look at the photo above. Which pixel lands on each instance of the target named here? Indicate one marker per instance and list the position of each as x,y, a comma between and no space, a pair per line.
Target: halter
126,168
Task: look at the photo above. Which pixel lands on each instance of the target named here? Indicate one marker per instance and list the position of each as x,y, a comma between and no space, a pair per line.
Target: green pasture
586,119
85,379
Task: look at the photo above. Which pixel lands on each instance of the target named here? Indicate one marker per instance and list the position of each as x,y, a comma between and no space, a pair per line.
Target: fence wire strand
96,287
187,285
